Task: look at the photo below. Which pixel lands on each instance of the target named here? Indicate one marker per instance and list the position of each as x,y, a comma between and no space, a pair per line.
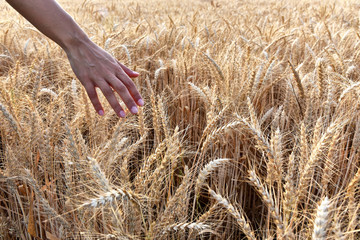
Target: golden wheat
257,101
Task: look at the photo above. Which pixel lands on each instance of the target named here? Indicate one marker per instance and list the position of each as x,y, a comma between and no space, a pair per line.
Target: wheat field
250,129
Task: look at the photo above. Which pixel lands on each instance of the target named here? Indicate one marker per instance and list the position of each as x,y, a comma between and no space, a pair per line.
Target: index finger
124,75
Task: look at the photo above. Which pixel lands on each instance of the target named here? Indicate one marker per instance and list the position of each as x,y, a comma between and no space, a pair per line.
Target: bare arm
93,66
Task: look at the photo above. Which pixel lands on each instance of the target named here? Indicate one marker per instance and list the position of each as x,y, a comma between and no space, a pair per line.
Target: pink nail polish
141,102
101,112
134,110
122,114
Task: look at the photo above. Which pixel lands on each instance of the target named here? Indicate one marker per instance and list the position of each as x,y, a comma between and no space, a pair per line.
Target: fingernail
122,114
136,73
101,112
141,102
134,110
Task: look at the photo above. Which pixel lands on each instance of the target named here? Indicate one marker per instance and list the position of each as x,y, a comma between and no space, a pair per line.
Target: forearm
51,20
94,67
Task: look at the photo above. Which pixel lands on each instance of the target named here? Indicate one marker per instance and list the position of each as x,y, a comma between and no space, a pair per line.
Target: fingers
110,96
125,77
125,88
124,93
120,82
90,89
128,71
129,84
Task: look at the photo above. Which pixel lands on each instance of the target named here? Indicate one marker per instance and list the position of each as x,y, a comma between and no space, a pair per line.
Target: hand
95,68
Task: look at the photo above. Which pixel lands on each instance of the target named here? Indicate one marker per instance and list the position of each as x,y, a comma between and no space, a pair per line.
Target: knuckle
115,65
129,83
129,101
82,75
113,101
116,106
124,77
107,91
120,88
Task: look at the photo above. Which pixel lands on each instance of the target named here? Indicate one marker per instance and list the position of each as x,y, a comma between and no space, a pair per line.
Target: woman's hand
95,68
92,65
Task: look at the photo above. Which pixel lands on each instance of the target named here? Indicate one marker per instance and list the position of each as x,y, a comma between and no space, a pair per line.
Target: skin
94,67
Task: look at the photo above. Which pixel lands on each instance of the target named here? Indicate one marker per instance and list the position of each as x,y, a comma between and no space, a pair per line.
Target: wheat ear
269,201
155,112
109,197
347,90
238,215
182,226
329,164
321,220
320,79
297,80
104,182
10,118
274,165
314,157
207,170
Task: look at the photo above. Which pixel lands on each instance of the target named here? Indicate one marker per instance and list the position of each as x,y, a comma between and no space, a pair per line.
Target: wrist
74,41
